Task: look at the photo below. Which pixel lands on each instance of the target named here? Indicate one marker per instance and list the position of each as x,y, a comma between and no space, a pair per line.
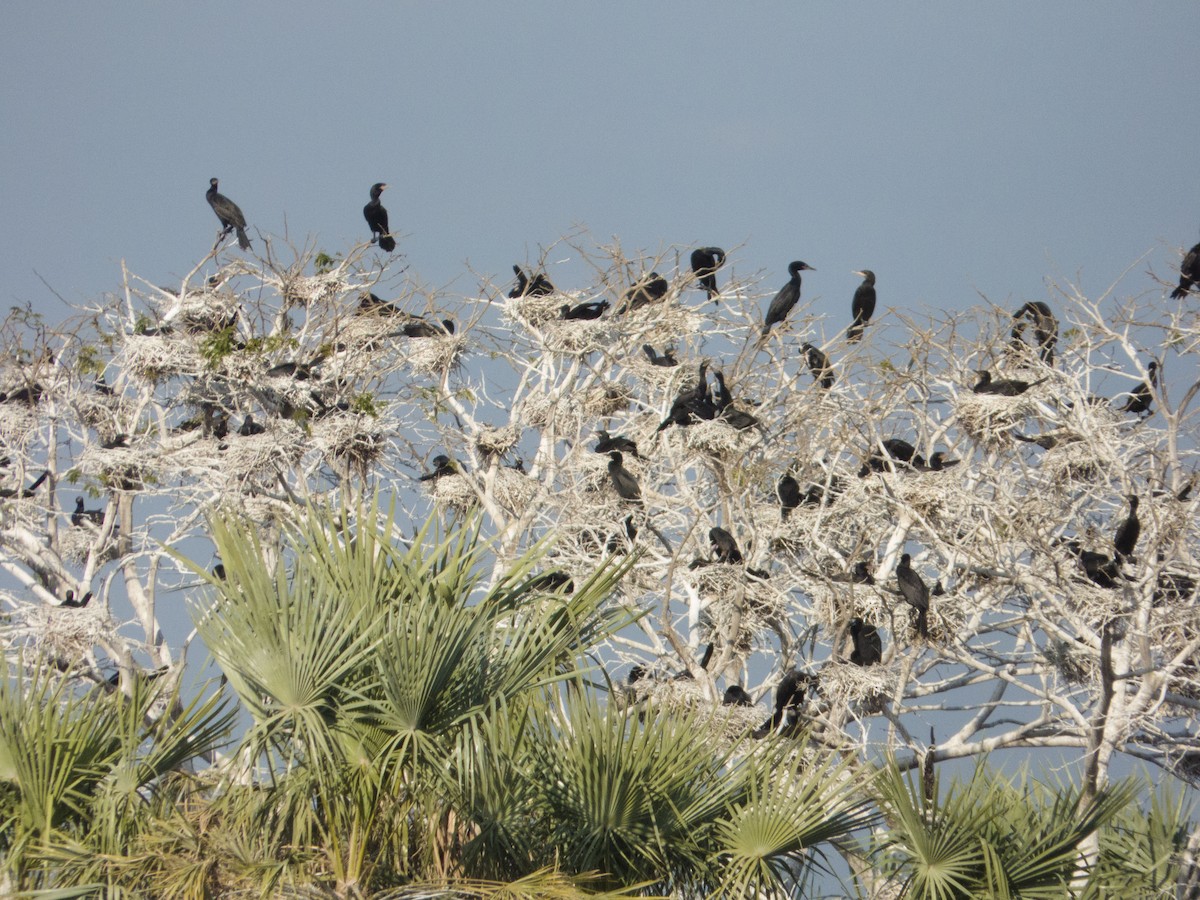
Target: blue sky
952,148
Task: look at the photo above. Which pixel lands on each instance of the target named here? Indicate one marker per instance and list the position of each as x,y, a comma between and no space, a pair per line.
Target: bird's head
212,182
797,267
867,275
616,457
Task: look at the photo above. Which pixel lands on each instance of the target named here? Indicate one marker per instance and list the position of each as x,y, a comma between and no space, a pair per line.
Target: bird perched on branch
81,515
788,490
1141,398
649,289
819,365
895,450
735,695
610,442
789,697
787,297
623,481
915,593
250,427
1045,328
705,262
229,213
592,309
725,410
377,219
69,601
1004,387
1128,532
868,646
24,493
666,360
420,328
442,465
1189,273
28,394
691,404
537,286
724,546
862,307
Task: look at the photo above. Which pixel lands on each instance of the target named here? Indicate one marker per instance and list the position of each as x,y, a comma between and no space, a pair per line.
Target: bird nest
727,590
434,355
100,411
663,322
607,398
578,336
349,440
537,310
151,358
63,633
306,289
716,438
205,311
729,724
120,467
989,417
844,684
76,543
839,601
455,491
18,425
546,411
278,448
1078,461
514,491
1074,665
667,379
497,441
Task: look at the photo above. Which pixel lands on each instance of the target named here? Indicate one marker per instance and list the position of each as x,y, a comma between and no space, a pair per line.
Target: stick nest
434,355
989,417
349,440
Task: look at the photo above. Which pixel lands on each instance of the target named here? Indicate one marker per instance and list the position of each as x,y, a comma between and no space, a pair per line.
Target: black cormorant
81,515
377,219
735,695
369,304
789,494
228,212
592,309
915,593
691,404
552,582
1141,398
726,411
250,427
789,696
618,542
1128,532
442,465
938,461
649,289
868,646
537,286
788,296
1189,273
819,365
895,450
69,601
420,328
24,493
29,394
667,360
622,479
705,263
1045,328
1004,387
724,547
610,442
862,307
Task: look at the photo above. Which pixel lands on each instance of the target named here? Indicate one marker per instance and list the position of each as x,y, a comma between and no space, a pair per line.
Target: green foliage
323,262
218,345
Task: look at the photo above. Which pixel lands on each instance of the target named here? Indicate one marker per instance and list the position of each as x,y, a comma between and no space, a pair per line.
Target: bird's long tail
387,243
243,240
1180,292
923,622
855,332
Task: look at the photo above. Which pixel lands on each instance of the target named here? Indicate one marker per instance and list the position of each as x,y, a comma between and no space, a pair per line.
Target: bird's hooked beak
859,274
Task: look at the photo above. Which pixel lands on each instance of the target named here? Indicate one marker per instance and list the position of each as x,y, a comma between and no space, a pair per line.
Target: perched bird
622,479
788,490
895,450
691,404
618,542
81,515
705,263
301,371
723,545
862,307
1048,441
24,493
370,305
819,365
1189,273
735,695
789,696
228,212
1004,387
819,494
938,461
1141,398
29,394
442,465
667,360
420,328
859,573
552,582
609,442
69,601
915,593
1045,328
725,410
116,442
592,309
1100,568
868,645
250,427
649,289
537,286
377,219
1128,532
787,297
